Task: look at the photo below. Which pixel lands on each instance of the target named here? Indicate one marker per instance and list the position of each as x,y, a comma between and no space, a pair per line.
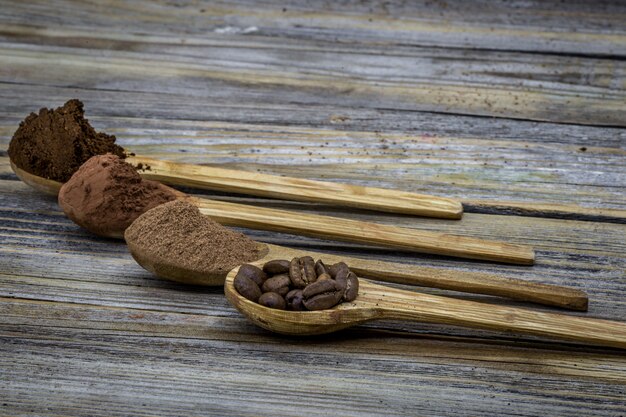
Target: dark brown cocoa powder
55,143
179,235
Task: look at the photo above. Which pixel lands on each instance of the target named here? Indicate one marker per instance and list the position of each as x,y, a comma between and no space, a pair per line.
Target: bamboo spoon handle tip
400,304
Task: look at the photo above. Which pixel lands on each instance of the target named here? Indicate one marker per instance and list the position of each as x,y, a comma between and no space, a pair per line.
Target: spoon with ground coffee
376,301
53,144
106,194
176,242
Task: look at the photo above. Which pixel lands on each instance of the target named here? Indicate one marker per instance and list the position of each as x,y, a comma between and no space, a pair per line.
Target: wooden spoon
40,184
380,302
244,182
241,215
472,282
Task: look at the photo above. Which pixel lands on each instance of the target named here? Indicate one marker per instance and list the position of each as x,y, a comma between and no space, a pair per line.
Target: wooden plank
438,78
164,115
358,92
545,26
536,173
167,363
456,83
49,258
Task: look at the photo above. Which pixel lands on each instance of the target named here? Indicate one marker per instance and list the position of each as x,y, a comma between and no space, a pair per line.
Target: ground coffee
106,195
55,143
177,234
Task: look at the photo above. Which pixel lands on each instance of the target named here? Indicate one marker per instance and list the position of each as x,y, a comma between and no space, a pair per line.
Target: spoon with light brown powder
176,242
378,302
106,194
50,146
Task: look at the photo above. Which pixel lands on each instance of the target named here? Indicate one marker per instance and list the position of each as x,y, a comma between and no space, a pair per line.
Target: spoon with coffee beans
333,298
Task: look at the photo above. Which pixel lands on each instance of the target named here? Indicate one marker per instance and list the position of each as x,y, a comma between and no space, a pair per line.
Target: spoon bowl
305,323
380,302
43,185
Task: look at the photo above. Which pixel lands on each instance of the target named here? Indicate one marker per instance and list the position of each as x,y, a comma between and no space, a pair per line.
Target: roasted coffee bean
322,301
308,269
302,271
301,284
319,287
348,282
321,295
352,289
294,273
246,287
276,267
253,272
294,300
333,270
272,300
320,268
323,277
278,284
342,279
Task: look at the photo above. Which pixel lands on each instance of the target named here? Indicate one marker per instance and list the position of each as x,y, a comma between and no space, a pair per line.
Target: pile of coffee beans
299,285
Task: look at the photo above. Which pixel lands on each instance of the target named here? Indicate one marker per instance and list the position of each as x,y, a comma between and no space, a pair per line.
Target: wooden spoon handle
473,282
405,305
241,215
253,183
463,281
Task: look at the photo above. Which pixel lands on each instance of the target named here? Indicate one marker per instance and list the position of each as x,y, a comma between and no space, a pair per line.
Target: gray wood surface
515,108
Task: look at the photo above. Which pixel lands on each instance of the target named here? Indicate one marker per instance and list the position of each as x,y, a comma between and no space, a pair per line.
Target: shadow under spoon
380,302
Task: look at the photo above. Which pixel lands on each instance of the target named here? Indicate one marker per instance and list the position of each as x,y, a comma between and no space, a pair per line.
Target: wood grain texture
544,26
410,240
375,302
103,309
363,73
168,363
466,282
514,108
352,80
541,173
298,189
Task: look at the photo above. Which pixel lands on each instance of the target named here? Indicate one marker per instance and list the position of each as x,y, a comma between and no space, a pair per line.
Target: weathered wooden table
516,109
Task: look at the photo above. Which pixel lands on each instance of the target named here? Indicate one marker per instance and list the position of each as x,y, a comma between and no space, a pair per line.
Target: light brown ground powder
179,234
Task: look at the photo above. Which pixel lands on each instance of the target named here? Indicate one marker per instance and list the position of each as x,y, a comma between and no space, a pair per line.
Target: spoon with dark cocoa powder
50,146
176,242
375,302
